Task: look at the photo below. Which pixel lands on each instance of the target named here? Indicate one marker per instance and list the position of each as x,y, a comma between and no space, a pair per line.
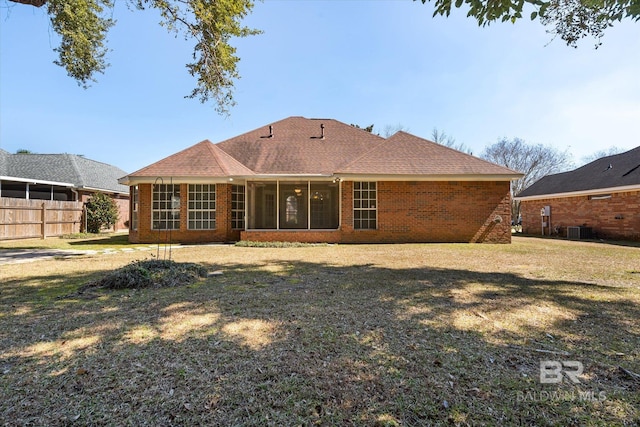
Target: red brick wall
614,218
407,212
222,233
418,212
425,211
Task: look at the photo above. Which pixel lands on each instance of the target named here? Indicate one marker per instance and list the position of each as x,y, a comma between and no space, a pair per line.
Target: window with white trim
134,207
201,207
237,207
165,210
364,206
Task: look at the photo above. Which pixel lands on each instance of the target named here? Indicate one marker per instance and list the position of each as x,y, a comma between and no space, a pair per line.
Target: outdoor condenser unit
579,233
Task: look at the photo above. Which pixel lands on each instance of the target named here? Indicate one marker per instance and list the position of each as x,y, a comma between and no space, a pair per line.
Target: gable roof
65,169
619,171
300,146
204,159
297,146
406,154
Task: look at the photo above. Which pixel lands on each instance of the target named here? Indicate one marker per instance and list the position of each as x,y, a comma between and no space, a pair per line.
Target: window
134,207
364,205
166,207
237,207
202,207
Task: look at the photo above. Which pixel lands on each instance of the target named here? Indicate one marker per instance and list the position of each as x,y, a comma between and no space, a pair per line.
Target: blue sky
387,63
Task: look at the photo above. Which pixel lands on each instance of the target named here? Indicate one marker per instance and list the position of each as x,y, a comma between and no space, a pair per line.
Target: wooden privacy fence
22,218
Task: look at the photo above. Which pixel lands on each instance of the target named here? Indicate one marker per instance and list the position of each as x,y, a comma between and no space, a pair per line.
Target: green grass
382,335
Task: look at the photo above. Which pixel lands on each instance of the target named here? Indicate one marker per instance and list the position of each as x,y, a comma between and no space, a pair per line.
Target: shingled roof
66,169
298,145
320,147
620,171
204,159
406,154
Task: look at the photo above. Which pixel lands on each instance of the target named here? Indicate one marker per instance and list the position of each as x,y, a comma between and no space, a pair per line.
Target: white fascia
36,181
458,177
129,181
102,190
593,192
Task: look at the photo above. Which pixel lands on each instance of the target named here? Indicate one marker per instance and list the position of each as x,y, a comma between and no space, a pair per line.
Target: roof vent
270,133
321,132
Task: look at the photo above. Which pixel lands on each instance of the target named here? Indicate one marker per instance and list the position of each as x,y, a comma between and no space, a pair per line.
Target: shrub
151,273
102,213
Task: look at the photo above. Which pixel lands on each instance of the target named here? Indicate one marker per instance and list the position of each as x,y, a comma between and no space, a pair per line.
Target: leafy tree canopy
102,213
569,19
83,26
367,128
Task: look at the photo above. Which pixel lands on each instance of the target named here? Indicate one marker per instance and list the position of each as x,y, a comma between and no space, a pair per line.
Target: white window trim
190,210
353,199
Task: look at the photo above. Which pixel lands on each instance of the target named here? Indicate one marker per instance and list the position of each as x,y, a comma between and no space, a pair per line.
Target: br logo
553,371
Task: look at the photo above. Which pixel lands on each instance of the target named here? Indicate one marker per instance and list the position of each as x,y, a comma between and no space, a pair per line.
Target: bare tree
448,141
533,160
602,153
391,129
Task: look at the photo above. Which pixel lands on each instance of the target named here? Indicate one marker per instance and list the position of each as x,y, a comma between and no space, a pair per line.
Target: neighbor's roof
406,154
79,171
319,147
3,161
619,172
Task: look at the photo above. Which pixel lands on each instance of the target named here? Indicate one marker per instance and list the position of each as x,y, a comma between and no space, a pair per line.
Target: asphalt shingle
201,160
406,154
63,168
619,170
301,146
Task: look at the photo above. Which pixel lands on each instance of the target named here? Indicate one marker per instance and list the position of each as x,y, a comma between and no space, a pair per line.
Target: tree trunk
36,3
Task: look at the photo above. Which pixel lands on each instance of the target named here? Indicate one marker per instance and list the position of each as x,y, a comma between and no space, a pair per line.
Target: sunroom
293,205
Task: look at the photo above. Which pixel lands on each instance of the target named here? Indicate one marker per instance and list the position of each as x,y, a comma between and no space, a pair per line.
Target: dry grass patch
330,335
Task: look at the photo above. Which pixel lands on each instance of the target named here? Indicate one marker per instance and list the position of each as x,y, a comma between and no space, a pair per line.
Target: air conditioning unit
579,233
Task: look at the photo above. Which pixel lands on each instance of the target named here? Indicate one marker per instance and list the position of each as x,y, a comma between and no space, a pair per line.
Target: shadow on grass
301,343
112,240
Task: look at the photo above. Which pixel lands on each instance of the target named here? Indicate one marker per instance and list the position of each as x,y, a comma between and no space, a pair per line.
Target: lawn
80,241
373,335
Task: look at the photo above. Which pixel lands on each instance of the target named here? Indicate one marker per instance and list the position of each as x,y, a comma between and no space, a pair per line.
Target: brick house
320,180
62,177
602,198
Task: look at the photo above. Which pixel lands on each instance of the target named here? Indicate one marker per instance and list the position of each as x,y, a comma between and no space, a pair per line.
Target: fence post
44,220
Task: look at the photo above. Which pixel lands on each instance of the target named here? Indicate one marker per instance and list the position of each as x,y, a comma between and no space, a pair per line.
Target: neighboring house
63,177
602,197
320,180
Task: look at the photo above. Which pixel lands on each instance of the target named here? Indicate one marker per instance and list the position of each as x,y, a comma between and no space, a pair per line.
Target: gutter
36,181
435,177
592,192
102,190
